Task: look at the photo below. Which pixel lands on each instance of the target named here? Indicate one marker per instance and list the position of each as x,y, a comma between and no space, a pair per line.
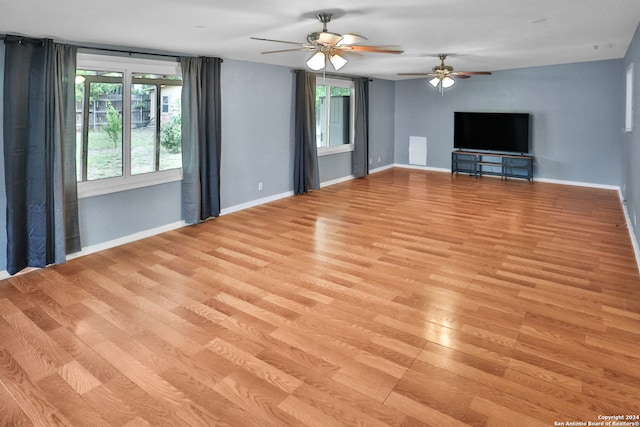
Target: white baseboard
425,168
336,181
126,239
632,232
275,197
152,232
256,202
115,242
578,183
547,180
382,168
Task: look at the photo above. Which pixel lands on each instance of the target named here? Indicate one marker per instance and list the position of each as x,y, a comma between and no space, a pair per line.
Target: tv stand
503,165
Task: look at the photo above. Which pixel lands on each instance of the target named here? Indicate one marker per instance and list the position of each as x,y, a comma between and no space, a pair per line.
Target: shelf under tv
486,163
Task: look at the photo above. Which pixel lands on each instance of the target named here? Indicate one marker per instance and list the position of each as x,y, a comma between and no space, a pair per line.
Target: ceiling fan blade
332,39
301,49
460,76
417,74
348,53
276,41
477,73
351,39
377,49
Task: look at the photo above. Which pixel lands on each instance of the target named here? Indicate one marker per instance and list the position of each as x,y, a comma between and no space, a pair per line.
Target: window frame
343,83
128,66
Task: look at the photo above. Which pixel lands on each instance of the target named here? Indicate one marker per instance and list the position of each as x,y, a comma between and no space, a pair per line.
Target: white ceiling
480,35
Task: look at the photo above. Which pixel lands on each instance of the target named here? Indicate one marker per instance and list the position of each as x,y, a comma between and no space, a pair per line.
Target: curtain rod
10,38
35,40
129,51
133,52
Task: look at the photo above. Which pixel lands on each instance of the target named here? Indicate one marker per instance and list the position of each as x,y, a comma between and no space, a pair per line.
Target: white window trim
344,148
327,151
127,66
112,185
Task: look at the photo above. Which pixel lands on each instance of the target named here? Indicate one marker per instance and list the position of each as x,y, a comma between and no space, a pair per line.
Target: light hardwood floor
405,298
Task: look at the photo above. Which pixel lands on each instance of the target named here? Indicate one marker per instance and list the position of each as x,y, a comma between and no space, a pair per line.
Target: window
334,115
98,124
165,104
628,117
128,123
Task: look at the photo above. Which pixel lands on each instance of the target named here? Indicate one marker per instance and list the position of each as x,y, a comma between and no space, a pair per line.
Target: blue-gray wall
631,142
577,117
257,132
382,114
116,215
333,167
577,113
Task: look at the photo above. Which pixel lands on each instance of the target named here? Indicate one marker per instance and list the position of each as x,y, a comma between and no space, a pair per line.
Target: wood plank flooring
405,298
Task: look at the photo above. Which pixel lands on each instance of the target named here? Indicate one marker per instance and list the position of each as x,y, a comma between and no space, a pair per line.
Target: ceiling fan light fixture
434,81
317,61
326,46
338,61
447,82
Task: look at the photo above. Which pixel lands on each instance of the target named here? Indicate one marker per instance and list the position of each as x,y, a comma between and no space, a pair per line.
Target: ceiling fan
332,47
442,76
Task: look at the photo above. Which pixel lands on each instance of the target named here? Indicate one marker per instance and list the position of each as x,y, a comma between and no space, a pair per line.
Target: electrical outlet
379,159
634,219
259,186
370,161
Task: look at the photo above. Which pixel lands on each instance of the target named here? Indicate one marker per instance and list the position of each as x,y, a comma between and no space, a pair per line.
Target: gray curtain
361,141
201,138
39,152
305,166
65,57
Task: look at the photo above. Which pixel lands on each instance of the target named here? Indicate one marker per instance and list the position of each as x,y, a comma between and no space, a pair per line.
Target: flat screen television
506,132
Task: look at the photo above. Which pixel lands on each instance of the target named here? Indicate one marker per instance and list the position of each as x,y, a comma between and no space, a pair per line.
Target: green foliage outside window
171,134
114,125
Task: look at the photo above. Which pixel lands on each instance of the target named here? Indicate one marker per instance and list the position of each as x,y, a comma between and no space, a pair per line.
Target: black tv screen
508,132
